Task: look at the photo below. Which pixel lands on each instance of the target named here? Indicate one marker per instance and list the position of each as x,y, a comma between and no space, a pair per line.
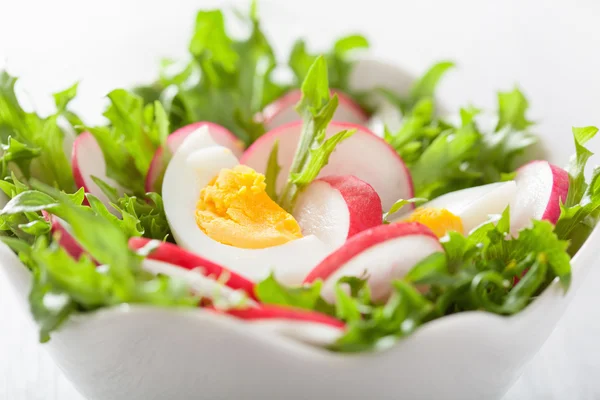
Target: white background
548,48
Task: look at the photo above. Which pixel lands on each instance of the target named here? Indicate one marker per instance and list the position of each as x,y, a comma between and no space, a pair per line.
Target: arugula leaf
339,61
425,86
512,107
398,205
312,154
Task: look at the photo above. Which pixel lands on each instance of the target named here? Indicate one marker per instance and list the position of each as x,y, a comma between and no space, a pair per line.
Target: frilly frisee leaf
135,133
512,109
339,59
308,297
36,147
425,86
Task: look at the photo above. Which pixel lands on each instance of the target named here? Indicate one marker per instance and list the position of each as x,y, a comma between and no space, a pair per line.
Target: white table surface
549,48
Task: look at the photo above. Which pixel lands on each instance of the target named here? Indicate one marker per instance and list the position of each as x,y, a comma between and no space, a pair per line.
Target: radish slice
61,229
220,135
201,285
541,187
335,208
302,325
283,110
364,155
172,254
382,254
87,160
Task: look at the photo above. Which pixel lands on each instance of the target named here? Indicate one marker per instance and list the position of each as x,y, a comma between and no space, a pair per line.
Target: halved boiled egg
464,210
219,209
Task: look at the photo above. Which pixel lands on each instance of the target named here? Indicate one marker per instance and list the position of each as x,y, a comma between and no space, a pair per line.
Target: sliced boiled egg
219,210
464,210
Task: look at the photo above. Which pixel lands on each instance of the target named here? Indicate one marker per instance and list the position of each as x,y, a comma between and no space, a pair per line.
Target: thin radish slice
220,135
207,288
88,160
541,187
302,325
283,110
335,208
173,254
61,230
363,155
381,254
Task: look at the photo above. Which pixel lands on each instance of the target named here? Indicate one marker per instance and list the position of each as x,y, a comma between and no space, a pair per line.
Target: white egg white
197,161
476,205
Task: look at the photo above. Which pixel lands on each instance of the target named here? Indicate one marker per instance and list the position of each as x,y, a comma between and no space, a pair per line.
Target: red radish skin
290,99
364,204
335,208
541,187
77,174
87,160
257,154
380,255
267,311
359,243
560,190
219,134
173,254
66,240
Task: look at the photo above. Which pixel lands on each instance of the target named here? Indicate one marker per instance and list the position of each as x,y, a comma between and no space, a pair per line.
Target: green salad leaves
31,144
229,80
487,270
62,284
133,136
444,156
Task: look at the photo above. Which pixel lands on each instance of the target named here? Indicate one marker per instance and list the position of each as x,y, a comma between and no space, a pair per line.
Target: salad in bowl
224,222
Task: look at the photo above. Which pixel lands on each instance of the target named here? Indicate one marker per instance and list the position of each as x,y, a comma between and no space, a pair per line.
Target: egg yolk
439,220
234,209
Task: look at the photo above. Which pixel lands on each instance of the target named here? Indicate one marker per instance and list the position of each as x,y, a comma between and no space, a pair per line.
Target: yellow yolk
234,209
440,221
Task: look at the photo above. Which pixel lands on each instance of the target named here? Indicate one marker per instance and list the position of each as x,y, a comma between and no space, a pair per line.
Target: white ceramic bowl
144,353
